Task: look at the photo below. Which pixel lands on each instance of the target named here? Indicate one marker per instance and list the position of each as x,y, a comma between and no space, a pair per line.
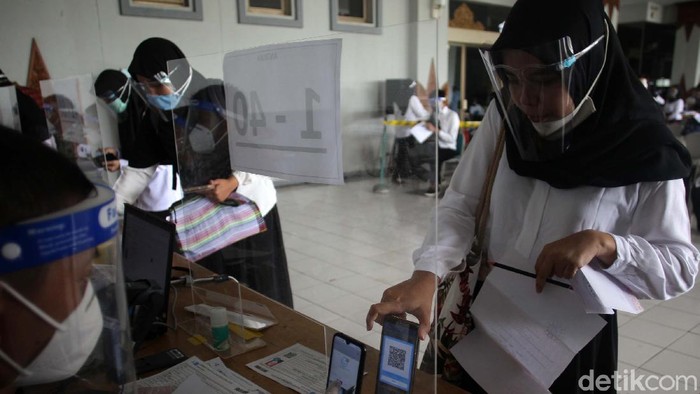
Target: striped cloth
204,227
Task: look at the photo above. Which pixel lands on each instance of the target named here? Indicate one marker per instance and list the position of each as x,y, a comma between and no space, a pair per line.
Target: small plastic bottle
219,328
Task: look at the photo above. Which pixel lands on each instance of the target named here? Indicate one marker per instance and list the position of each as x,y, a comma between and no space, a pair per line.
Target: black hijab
152,56
626,140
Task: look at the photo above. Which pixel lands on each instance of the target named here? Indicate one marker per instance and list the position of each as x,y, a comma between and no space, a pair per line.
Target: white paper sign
283,104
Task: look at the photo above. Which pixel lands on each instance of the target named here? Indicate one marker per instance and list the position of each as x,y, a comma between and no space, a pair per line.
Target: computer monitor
148,243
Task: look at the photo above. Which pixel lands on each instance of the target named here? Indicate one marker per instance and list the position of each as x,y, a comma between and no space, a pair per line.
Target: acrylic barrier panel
199,124
346,244
284,110
71,114
246,329
328,250
9,110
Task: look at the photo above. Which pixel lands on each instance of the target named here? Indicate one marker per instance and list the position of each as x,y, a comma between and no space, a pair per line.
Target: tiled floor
346,244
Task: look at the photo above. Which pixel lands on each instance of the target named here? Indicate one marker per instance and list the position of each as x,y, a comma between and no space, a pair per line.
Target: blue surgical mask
117,106
165,102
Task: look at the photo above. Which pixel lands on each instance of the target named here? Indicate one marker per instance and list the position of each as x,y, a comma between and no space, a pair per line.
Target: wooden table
293,327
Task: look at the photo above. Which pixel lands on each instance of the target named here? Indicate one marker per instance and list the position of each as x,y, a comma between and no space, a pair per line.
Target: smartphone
165,359
397,355
347,364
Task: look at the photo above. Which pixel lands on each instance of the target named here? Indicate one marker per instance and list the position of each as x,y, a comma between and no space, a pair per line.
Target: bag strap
482,209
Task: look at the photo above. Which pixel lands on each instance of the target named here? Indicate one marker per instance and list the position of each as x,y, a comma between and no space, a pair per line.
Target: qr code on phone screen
397,358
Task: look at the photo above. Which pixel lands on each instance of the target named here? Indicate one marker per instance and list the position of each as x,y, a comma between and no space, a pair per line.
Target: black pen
531,275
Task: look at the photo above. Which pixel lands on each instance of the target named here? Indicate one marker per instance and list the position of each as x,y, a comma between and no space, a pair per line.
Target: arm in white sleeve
448,132
657,259
416,109
258,188
130,184
447,242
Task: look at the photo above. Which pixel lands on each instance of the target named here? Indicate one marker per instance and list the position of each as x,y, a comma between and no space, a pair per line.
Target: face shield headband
542,101
158,98
60,234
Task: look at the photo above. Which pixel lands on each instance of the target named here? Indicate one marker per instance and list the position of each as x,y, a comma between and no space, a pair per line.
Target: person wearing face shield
187,110
590,175
63,322
149,186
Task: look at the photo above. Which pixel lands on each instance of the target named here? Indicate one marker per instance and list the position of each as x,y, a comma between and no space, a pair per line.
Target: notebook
148,243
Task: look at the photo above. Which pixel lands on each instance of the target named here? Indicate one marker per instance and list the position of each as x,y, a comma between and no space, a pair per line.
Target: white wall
86,36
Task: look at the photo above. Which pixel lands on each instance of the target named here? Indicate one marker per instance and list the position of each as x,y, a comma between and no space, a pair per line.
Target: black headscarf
626,140
152,56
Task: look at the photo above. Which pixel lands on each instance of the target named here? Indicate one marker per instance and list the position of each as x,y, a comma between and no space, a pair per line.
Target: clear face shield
64,318
542,100
118,99
160,93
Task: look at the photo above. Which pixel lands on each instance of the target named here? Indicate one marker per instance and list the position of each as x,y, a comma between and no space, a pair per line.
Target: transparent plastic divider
71,114
242,324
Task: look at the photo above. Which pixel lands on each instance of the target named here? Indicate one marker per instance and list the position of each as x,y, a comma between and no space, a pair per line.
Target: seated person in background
151,187
447,133
55,302
673,109
415,111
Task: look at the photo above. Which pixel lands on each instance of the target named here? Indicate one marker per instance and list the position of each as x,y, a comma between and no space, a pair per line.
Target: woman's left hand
563,258
222,188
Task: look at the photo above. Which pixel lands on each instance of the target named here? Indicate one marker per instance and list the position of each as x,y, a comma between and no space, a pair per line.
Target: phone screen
346,367
397,357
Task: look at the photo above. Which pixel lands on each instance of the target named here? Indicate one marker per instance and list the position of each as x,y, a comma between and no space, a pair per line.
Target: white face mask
70,345
579,114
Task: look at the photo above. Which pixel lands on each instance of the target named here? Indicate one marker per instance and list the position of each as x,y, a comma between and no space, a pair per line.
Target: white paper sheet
539,332
218,365
283,105
601,293
420,132
302,369
172,379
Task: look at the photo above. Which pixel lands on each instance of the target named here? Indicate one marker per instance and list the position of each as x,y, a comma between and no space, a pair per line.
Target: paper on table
179,374
247,386
302,369
194,384
601,292
420,132
540,332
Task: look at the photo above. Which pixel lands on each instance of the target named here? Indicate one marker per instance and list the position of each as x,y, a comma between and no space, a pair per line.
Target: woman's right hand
414,296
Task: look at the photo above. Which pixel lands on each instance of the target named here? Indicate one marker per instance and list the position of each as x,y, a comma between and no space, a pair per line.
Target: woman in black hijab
591,179
188,112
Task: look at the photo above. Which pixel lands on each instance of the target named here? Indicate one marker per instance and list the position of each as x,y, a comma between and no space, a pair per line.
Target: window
179,9
360,16
271,12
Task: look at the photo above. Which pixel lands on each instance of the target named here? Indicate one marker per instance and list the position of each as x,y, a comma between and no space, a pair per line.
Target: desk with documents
293,327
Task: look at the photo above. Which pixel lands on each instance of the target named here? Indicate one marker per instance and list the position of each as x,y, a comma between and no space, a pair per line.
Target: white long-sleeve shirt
649,222
147,188
449,128
414,111
258,188
674,110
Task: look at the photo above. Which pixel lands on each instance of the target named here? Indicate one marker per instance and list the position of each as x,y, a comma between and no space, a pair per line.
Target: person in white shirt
151,187
580,182
674,106
405,166
447,131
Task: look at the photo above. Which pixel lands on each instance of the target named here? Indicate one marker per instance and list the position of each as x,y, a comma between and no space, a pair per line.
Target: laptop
148,243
